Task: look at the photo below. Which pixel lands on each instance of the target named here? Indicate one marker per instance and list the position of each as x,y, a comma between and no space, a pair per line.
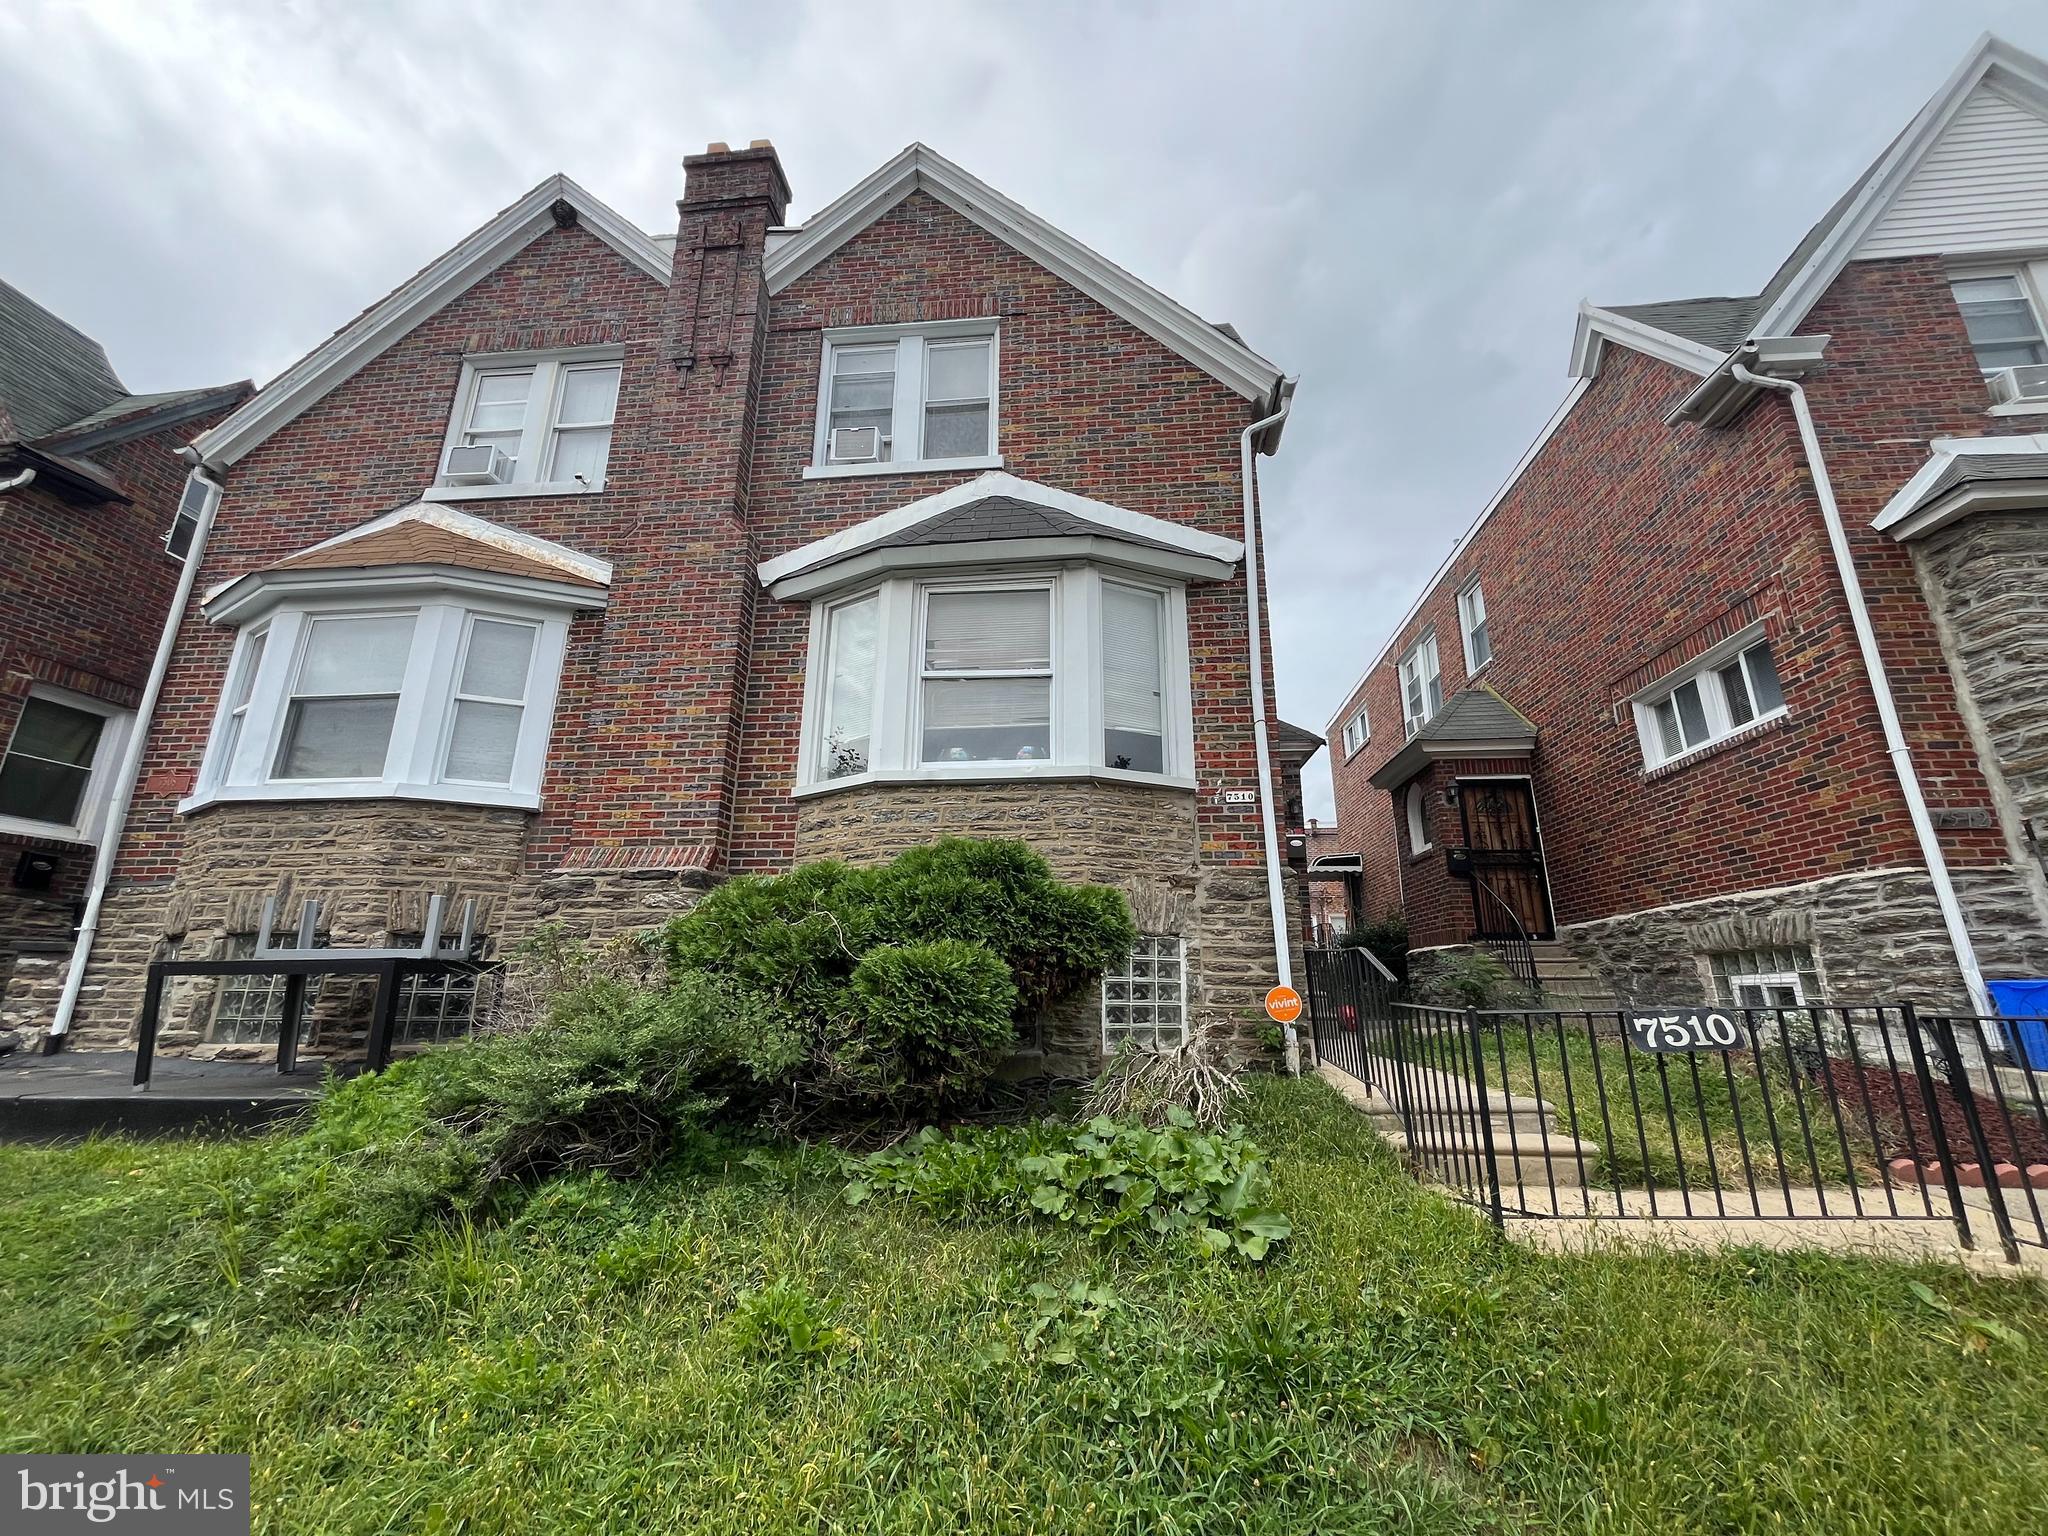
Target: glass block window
433,1009
1766,978
1146,1002
247,1010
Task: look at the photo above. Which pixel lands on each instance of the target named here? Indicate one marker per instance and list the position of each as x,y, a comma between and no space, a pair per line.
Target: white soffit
450,275
918,168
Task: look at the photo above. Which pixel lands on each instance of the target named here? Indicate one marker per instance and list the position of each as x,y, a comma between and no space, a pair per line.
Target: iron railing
1501,930
1761,1114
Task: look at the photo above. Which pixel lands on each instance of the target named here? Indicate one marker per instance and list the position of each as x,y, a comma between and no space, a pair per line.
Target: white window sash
116,723
1472,625
1420,675
908,408
538,428
1702,673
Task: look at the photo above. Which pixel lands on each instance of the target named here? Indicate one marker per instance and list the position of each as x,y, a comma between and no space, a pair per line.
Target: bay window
1062,673
447,696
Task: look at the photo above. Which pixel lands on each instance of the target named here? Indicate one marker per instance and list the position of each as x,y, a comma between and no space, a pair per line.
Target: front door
1510,898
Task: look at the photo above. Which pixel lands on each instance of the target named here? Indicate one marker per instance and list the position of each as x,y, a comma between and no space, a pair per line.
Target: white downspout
131,764
16,482
1881,689
1254,567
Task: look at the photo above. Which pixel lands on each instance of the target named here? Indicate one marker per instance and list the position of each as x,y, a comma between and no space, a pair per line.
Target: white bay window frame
539,428
249,723
908,408
1077,691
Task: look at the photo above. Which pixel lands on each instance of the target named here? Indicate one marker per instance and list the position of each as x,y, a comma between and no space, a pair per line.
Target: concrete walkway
1581,1220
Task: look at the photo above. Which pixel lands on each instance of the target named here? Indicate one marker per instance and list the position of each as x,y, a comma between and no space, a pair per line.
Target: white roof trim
247,597
1899,517
917,168
468,526
1550,427
1597,327
2020,76
858,568
1113,520
354,347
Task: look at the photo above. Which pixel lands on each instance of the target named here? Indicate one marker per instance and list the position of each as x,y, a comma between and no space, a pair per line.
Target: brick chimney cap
760,144
718,147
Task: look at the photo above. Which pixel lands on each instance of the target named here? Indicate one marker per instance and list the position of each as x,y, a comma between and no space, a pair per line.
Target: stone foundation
1875,937
1137,838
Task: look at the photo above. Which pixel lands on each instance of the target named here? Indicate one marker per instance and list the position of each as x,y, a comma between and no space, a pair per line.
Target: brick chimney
730,198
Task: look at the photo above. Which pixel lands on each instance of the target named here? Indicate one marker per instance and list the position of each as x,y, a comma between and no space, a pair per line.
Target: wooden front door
1508,889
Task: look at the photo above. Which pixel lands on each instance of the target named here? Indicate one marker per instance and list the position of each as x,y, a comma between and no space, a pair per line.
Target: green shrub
1121,1182
873,966
1465,978
1387,938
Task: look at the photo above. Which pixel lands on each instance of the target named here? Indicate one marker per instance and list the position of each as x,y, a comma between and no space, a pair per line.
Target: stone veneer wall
1139,839
1876,937
372,866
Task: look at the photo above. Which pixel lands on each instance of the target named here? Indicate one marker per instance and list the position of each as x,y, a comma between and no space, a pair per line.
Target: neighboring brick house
1639,708
591,567
90,484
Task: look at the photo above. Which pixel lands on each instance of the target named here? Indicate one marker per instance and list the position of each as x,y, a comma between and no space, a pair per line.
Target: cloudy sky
1402,203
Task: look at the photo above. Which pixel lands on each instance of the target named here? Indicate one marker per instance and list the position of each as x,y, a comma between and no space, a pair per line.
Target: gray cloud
1402,203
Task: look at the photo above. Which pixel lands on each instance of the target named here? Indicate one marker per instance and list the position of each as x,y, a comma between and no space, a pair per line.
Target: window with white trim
1734,687
1998,312
445,699
185,521
58,769
1422,684
1145,1004
1417,805
906,399
548,415
1058,673
1357,731
1472,625
1766,978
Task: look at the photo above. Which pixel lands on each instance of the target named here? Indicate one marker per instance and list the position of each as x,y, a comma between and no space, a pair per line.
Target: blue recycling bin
2024,1007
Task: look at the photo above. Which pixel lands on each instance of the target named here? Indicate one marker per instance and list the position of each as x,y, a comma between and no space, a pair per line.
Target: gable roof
138,415
425,536
50,372
454,272
997,516
1215,349
1474,721
2016,76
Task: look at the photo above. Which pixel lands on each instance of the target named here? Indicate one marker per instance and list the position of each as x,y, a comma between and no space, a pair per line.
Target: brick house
1736,686
90,489
591,567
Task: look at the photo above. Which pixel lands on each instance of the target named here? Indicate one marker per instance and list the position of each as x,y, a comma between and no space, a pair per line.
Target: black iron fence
1783,1113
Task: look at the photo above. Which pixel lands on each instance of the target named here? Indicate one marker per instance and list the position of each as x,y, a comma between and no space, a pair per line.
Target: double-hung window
344,697
907,398
1072,672
490,701
1733,688
987,675
59,763
1998,312
1357,731
1472,623
1422,685
547,416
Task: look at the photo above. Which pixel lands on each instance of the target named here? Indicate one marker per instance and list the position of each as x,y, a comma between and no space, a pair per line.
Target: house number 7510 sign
1687,1029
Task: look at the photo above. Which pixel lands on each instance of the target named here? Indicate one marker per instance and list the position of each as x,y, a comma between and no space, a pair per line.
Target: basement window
907,398
1734,687
1766,978
1144,1005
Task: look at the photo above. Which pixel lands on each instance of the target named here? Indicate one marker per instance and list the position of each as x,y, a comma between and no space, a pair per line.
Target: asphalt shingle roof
1967,468
51,373
1476,714
1716,323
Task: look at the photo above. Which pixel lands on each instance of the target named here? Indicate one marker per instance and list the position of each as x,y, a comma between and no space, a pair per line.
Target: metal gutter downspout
16,482
131,764
1254,568
1881,689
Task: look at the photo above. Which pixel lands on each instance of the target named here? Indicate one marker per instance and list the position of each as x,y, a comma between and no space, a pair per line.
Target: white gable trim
1113,520
1599,326
918,168
1901,519
2020,77
455,272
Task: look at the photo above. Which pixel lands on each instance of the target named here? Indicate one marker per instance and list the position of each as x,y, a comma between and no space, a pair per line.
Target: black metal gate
1793,1113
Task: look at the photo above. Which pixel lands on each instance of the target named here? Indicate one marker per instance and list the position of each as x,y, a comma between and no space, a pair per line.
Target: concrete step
1523,1158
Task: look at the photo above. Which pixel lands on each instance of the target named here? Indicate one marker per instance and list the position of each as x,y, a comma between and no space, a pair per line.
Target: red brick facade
1627,546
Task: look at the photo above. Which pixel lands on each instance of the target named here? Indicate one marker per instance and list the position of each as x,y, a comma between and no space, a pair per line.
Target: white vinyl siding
1982,187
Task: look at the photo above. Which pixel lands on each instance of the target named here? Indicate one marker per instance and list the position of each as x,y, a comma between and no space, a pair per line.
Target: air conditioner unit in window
2009,386
856,445
479,464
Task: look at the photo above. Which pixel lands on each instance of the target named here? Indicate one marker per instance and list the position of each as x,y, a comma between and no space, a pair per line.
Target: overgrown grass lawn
729,1347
